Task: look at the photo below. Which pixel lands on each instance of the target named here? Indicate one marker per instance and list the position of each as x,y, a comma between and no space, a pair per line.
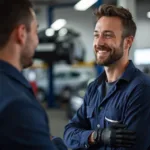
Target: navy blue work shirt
127,102
23,121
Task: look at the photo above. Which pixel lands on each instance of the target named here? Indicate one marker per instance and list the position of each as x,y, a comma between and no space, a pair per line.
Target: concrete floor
57,121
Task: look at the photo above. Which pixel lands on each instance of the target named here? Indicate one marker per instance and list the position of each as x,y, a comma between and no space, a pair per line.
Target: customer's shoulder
4,78
6,82
10,88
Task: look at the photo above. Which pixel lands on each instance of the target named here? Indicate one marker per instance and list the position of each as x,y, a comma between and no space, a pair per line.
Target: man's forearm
77,138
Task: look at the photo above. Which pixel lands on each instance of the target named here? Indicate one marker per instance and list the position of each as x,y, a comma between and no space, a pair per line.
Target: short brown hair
13,13
124,14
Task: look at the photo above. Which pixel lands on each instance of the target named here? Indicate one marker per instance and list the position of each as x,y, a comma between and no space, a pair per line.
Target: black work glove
116,136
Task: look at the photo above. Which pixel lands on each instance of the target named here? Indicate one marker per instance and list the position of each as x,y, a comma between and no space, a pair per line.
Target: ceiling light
148,14
49,32
142,56
83,5
58,24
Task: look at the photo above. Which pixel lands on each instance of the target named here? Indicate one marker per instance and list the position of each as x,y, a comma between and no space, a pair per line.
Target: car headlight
81,93
76,102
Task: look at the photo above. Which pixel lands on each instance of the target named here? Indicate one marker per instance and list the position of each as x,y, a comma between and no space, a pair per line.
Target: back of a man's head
12,14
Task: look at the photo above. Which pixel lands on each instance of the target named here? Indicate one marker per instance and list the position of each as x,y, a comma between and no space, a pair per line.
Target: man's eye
107,35
95,35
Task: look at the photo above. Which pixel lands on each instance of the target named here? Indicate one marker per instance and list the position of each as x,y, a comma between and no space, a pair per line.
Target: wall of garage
42,13
143,33
143,25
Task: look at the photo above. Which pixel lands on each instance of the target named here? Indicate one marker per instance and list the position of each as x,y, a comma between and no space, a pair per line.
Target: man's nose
100,40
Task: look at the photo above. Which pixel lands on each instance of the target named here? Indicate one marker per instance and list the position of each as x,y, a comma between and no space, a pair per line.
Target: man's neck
114,71
10,58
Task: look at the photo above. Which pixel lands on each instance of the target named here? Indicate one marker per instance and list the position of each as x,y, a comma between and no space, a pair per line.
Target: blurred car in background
33,75
66,79
76,99
65,43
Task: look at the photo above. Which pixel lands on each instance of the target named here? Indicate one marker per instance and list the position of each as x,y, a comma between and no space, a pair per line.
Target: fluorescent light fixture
148,14
83,5
49,32
58,24
141,56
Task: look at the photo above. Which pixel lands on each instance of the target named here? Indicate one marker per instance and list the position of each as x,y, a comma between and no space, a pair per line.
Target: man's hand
116,136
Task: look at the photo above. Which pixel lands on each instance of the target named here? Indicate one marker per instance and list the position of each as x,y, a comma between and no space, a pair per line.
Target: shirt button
100,108
86,146
98,125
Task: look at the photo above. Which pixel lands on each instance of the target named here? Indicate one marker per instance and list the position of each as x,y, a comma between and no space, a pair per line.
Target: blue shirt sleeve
137,117
78,129
25,127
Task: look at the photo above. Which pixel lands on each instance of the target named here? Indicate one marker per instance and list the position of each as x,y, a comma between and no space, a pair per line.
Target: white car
65,80
69,79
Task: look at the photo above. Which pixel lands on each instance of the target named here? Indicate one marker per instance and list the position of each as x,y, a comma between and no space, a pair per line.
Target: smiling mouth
101,52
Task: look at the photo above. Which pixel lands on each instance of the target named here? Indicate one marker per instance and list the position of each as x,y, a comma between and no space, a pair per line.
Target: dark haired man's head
113,35
18,27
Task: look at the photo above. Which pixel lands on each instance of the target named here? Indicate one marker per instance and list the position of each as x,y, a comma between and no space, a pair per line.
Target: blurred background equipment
76,100
66,79
64,43
142,59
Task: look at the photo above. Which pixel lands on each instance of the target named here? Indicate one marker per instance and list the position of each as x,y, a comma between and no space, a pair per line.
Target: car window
60,75
74,74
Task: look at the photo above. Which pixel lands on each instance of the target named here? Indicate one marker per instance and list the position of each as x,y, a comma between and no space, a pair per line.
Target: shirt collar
14,73
126,76
129,72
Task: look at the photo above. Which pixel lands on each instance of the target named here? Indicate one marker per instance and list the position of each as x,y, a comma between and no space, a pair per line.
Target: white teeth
102,51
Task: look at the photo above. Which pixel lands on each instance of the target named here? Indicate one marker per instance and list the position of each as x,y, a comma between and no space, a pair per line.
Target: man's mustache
103,48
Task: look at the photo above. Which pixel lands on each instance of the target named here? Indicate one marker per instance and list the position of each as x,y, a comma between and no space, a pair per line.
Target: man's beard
114,56
26,59
28,64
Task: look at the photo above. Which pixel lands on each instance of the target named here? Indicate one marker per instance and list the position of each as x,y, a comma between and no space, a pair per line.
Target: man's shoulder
140,83
10,85
12,92
7,85
5,78
141,78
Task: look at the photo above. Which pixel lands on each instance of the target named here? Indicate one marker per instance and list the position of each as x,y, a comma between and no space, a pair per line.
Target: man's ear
21,34
128,42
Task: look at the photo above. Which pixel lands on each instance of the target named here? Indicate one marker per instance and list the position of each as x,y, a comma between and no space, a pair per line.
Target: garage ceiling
53,2
74,1
142,5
